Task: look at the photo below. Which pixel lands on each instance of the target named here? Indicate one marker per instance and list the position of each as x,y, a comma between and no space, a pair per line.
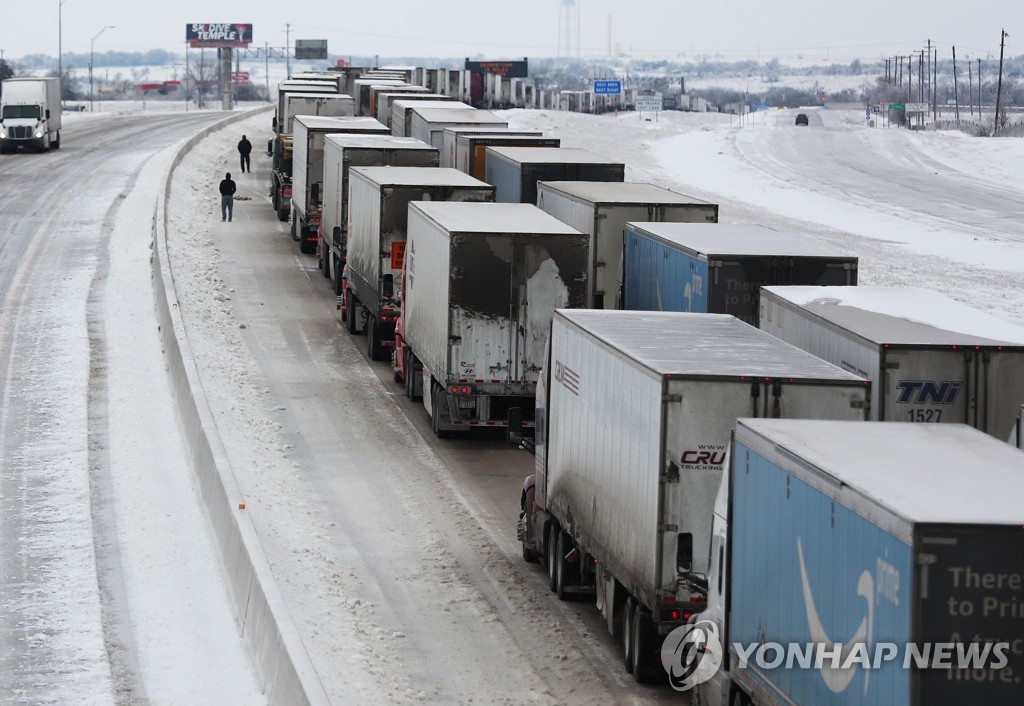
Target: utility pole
956,94
999,84
929,88
979,91
288,49
935,83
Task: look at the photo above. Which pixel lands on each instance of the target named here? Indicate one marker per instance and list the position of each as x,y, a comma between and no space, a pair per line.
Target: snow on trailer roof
322,95
450,114
927,473
903,316
629,192
713,239
551,155
378,141
478,130
346,123
419,176
504,218
713,345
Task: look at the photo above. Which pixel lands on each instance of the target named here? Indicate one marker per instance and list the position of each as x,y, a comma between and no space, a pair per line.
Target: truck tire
350,318
644,634
552,557
564,571
337,280
295,227
305,247
435,414
56,143
325,263
410,377
627,634
372,343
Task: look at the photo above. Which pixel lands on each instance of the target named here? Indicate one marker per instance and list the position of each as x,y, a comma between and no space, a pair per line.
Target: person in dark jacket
244,148
227,197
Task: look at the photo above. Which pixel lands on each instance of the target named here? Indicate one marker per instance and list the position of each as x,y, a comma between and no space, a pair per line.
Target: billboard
508,69
311,49
218,35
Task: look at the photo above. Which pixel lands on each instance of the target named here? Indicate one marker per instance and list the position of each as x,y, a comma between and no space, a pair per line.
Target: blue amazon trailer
707,268
868,536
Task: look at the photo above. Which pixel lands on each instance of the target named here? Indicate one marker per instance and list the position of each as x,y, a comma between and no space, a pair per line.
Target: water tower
568,29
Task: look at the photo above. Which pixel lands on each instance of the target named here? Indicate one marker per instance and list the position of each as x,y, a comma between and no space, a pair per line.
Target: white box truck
378,212
602,209
341,152
634,416
308,169
930,358
327,105
902,543
30,114
450,137
401,111
471,148
515,171
481,284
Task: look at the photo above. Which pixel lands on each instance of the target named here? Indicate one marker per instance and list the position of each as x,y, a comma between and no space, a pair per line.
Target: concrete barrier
275,647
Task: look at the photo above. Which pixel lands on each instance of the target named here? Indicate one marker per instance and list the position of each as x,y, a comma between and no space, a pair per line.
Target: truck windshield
21,111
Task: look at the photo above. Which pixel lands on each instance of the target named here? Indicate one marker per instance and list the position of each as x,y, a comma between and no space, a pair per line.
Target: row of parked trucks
620,332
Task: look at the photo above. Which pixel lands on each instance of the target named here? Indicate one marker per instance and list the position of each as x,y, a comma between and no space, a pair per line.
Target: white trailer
401,111
637,411
450,137
308,169
930,358
30,114
322,87
481,284
341,152
378,212
326,105
428,124
602,209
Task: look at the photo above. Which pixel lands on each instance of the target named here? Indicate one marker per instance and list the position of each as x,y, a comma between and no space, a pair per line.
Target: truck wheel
410,378
627,634
529,555
552,557
435,414
564,572
350,312
643,642
337,279
372,349
295,227
325,263
56,143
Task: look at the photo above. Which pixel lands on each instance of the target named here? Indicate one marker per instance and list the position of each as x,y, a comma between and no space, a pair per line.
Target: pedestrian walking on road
227,197
244,148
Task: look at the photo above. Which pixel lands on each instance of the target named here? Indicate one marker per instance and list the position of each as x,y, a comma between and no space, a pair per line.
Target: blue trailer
716,268
868,536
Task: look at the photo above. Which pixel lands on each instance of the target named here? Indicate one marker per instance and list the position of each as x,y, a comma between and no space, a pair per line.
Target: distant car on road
801,119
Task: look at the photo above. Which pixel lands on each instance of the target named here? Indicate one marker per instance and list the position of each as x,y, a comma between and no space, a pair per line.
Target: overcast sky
761,29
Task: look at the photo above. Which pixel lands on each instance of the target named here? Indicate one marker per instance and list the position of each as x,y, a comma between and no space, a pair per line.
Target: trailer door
931,385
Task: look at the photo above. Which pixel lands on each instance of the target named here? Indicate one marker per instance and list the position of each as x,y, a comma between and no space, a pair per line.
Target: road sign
607,88
916,107
648,104
897,106
240,76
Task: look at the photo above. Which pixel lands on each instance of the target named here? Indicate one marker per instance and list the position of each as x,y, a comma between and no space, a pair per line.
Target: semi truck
602,209
377,92
30,114
386,101
720,268
378,213
428,124
515,171
887,540
327,105
308,169
401,111
341,152
634,414
450,137
471,148
929,357
361,90
481,284
322,87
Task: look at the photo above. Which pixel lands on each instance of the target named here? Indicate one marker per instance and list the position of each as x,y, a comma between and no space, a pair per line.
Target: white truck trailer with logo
602,209
30,114
378,214
930,358
481,284
634,416
341,152
308,169
861,541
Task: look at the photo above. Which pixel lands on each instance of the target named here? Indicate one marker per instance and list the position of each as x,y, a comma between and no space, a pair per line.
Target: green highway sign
897,106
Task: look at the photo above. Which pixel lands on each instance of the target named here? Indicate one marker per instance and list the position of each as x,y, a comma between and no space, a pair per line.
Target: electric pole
956,94
288,49
999,84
